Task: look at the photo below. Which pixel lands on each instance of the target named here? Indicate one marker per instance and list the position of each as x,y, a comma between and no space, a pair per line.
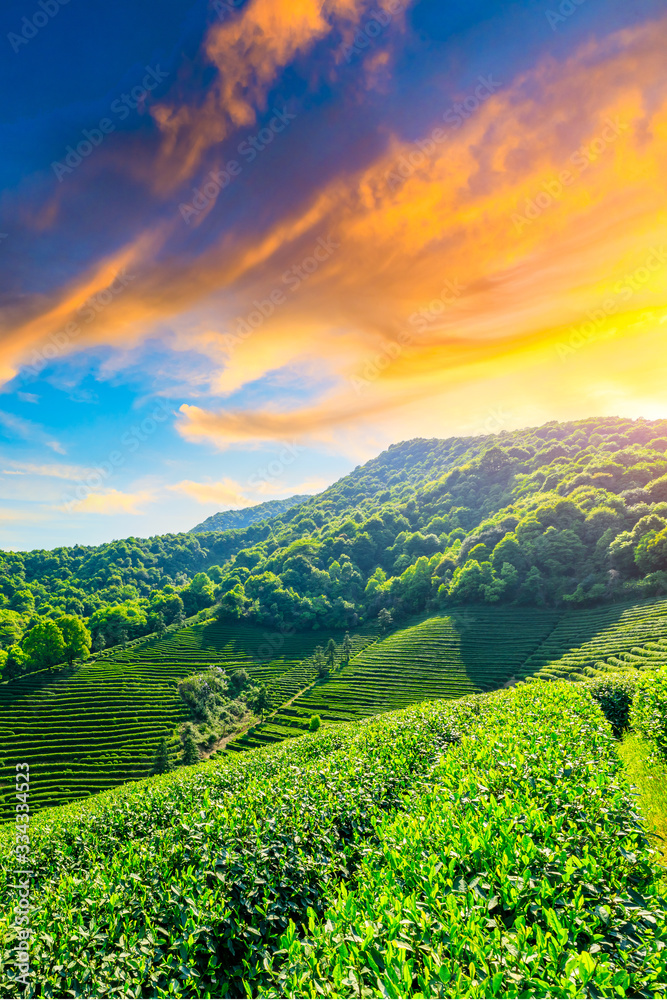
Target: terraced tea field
464,652
597,640
98,725
475,649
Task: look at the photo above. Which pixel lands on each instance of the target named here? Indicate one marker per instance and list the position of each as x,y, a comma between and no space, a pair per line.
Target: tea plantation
485,847
97,725
475,649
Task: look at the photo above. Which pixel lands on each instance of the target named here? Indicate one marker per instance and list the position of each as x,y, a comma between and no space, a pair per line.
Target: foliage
614,693
76,638
44,645
162,764
249,515
191,753
649,776
480,848
648,716
565,514
314,724
205,693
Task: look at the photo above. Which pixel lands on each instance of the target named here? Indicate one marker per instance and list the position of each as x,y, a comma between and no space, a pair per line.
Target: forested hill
572,513
226,519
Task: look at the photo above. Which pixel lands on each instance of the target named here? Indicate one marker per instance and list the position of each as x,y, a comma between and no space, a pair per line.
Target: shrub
314,724
204,693
648,717
614,694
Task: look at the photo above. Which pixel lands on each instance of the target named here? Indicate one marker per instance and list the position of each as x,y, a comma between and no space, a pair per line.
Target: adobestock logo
121,107
553,188
31,26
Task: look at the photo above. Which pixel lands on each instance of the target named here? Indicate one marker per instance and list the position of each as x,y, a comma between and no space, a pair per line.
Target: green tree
76,638
161,762
347,648
385,619
320,661
16,661
44,645
23,601
314,724
191,753
11,628
258,699
331,654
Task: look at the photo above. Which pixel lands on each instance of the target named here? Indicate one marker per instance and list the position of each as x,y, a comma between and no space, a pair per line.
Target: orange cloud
477,258
227,492
111,501
248,52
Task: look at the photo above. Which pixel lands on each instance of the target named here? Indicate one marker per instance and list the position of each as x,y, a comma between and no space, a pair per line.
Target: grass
485,847
650,779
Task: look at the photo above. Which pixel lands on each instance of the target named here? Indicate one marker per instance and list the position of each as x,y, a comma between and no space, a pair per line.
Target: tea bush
480,848
614,694
649,710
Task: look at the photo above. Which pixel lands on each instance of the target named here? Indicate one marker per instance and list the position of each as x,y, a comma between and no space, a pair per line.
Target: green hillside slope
477,848
98,725
228,519
595,641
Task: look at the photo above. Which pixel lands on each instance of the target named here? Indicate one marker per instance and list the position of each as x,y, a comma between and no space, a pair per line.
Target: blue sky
217,221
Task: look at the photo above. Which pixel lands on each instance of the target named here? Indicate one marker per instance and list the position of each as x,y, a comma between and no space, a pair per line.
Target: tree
156,622
385,619
331,654
11,628
76,638
258,699
314,724
191,753
161,763
99,642
44,645
320,661
23,601
347,649
15,662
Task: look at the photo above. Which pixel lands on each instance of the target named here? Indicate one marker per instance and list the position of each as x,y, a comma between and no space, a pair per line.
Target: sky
245,245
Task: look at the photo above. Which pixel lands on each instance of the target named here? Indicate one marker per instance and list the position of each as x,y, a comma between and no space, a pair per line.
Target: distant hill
226,519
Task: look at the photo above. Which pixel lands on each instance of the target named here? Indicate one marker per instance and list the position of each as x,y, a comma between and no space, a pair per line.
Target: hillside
228,519
478,848
564,515
98,724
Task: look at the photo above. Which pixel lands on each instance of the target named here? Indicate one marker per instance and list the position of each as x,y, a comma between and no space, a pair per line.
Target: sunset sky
247,244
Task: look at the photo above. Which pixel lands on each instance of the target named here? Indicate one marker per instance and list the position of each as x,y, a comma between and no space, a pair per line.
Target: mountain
227,519
567,514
